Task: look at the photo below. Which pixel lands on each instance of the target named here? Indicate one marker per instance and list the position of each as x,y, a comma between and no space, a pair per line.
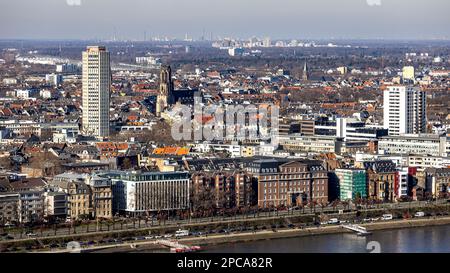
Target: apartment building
404,110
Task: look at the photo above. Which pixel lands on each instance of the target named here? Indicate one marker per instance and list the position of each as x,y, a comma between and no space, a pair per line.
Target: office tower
165,90
404,110
96,91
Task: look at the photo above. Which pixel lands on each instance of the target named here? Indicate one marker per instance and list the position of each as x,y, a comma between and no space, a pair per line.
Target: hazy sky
100,19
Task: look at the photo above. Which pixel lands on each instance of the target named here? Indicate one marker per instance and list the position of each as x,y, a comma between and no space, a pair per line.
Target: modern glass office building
141,192
352,183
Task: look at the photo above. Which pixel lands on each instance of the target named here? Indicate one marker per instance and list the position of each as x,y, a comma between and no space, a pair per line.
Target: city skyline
300,19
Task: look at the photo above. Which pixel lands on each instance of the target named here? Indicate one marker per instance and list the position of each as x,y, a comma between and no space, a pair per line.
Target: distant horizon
279,19
177,39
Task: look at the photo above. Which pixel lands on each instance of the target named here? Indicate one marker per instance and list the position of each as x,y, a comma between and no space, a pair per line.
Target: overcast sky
300,19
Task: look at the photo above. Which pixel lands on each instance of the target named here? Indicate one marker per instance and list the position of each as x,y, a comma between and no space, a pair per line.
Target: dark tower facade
165,96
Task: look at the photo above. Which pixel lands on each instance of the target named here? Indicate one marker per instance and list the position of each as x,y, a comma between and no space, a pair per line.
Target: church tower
165,90
305,75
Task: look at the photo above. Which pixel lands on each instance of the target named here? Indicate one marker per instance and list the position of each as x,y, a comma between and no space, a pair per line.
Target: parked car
419,214
30,234
387,217
181,233
333,221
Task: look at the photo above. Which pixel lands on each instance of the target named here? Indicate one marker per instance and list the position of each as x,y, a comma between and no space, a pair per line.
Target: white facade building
422,144
141,192
54,79
96,91
404,110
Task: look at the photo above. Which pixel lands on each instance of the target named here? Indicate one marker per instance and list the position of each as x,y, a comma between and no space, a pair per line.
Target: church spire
305,72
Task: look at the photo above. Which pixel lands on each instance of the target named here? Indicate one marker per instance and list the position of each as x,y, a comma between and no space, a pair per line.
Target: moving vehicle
181,233
419,214
333,221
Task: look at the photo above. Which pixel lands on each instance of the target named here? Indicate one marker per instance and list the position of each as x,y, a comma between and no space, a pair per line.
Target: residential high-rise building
96,91
404,110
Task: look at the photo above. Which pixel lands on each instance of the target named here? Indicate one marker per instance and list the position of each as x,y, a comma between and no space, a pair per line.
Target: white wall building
141,192
404,110
422,144
96,91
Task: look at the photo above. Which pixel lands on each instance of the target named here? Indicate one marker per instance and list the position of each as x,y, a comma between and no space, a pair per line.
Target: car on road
168,236
30,234
181,233
149,237
387,217
333,221
419,214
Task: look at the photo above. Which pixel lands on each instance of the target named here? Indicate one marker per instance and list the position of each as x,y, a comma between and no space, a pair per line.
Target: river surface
435,239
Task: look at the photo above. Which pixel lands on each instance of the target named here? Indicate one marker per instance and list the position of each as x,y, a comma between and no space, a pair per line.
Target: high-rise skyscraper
165,90
404,110
96,91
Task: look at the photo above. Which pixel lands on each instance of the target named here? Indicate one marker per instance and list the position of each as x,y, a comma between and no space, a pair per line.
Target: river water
434,239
